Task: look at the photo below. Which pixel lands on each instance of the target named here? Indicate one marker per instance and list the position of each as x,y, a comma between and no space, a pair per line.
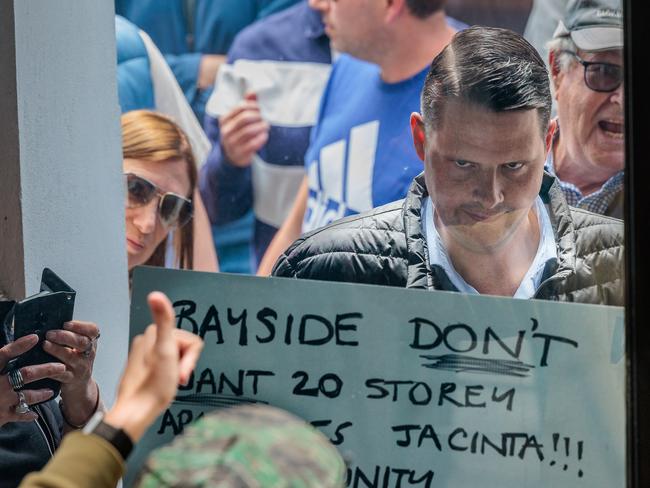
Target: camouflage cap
246,446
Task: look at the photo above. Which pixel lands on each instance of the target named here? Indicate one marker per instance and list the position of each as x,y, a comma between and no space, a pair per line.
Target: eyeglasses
173,210
600,77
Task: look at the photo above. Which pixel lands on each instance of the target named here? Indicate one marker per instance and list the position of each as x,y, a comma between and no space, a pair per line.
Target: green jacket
82,461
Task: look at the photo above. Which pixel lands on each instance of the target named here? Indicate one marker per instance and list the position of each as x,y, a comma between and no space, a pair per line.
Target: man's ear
556,72
393,9
419,134
550,132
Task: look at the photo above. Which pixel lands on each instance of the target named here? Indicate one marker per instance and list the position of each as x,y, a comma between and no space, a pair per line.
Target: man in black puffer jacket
483,217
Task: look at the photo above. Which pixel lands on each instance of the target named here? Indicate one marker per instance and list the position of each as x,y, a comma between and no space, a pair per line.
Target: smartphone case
47,310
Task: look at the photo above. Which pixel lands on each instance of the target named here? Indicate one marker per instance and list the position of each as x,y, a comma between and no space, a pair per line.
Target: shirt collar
546,251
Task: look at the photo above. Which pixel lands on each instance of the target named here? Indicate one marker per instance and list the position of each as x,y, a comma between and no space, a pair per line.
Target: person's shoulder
599,259
596,233
265,37
355,248
129,44
456,24
591,223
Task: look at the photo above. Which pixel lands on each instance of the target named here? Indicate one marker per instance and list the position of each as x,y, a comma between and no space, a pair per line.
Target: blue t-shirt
361,153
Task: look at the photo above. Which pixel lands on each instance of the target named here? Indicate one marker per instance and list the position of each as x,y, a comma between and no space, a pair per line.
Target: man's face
483,171
353,26
591,122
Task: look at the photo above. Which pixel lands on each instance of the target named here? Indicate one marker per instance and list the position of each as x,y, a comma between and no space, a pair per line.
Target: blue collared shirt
546,251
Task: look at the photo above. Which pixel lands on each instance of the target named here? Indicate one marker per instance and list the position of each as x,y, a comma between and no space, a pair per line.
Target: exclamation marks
566,449
580,446
556,437
567,452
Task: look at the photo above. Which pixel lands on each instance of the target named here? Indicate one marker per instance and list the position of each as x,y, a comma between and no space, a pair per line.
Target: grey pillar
61,195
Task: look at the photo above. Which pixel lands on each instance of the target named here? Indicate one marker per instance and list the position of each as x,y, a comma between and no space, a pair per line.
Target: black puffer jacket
386,246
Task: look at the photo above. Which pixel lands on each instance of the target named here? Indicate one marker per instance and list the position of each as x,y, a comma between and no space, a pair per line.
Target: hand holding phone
8,397
47,310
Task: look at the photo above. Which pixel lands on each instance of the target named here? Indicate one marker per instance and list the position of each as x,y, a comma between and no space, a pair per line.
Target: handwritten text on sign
415,388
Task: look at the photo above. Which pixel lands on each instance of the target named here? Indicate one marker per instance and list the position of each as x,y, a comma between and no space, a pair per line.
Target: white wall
69,214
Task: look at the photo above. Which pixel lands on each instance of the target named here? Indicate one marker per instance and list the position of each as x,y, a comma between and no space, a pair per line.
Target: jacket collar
420,274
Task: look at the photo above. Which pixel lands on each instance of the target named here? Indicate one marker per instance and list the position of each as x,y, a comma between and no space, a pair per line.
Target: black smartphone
47,310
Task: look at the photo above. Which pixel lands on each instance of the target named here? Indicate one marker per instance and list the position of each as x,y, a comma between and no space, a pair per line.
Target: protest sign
415,388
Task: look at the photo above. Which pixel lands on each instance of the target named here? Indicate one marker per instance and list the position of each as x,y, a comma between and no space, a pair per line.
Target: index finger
163,315
16,348
88,329
240,108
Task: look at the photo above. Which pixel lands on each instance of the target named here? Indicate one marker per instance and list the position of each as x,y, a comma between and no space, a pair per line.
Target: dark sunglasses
600,77
173,210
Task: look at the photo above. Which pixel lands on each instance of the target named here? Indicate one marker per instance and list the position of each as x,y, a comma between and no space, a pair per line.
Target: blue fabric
134,85
216,23
363,129
355,98
456,24
232,243
227,190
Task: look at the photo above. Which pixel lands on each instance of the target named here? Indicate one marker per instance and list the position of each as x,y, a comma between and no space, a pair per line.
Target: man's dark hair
424,8
495,68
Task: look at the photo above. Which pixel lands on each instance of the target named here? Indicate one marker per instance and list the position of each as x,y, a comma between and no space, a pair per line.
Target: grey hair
559,44
495,68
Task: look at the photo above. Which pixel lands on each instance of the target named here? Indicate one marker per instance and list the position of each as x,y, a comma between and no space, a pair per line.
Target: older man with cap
586,60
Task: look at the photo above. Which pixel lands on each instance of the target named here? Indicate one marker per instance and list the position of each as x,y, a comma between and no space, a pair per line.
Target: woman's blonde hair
151,136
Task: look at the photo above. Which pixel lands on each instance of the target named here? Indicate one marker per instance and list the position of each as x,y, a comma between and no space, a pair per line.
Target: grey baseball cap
594,25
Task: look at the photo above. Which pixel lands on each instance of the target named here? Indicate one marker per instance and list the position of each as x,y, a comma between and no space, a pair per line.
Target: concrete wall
62,200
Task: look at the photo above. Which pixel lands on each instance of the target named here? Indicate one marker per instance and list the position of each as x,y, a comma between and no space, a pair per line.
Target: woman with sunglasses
161,178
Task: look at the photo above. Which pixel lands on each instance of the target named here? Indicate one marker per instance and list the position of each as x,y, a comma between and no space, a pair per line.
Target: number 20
331,392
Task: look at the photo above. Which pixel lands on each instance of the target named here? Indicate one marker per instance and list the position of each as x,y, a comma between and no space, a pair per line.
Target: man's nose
488,190
145,218
618,95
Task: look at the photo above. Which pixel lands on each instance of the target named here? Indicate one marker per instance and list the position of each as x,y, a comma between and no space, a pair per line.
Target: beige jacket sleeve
81,461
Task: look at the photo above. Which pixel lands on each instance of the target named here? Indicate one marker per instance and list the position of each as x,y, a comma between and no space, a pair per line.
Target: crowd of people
377,142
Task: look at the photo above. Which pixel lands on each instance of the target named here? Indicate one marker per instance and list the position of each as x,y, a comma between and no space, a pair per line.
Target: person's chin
610,144
135,254
485,234
610,157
